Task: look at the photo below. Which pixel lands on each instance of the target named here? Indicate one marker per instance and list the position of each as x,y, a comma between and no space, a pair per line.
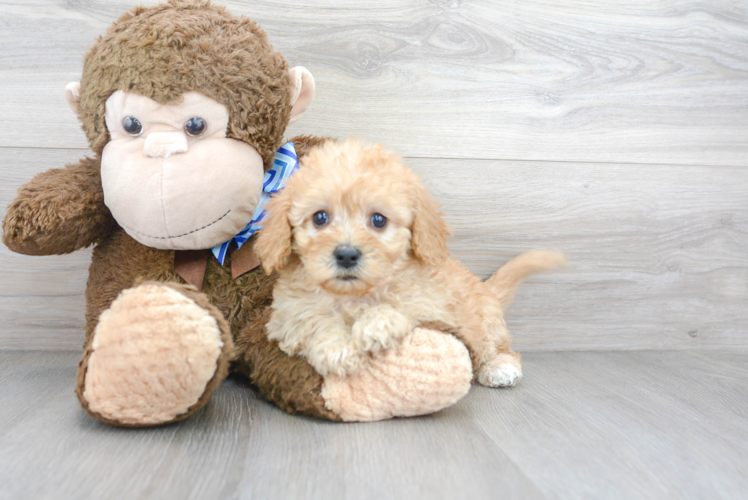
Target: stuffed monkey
184,106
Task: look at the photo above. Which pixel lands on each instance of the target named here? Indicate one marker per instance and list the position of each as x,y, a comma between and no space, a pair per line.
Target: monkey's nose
164,144
347,256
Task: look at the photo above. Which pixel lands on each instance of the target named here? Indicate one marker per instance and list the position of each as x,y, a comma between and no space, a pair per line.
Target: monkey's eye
195,126
320,218
132,125
379,221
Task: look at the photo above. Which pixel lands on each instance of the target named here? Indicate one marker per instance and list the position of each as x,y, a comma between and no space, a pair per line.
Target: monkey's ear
73,95
273,245
302,91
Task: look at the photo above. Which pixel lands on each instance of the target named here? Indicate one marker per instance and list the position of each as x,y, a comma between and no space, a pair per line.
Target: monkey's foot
157,354
429,371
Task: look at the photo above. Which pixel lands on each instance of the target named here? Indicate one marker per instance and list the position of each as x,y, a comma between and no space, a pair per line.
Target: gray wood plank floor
613,425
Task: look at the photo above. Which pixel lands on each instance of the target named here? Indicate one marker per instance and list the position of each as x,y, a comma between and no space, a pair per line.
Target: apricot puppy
361,251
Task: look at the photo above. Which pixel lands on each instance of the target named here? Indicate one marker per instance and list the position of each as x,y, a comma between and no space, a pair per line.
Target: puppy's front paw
380,327
335,356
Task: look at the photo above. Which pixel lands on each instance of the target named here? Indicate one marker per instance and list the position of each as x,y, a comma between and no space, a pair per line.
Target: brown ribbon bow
191,264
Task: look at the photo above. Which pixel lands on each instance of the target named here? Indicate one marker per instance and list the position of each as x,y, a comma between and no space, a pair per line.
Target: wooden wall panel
627,81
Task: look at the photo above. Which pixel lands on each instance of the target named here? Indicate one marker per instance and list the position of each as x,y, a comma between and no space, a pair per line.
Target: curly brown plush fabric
137,55
290,383
41,204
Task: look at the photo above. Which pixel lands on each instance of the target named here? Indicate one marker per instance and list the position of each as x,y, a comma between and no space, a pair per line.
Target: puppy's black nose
347,256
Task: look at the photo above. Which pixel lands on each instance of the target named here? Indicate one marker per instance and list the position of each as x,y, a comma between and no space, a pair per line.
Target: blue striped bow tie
285,163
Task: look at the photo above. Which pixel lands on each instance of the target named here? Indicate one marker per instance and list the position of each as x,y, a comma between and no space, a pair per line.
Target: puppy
361,253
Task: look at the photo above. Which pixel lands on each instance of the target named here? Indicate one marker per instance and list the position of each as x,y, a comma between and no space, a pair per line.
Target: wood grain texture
627,81
41,298
658,250
643,425
672,424
658,253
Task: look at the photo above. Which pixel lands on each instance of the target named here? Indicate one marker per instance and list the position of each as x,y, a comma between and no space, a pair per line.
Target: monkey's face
171,177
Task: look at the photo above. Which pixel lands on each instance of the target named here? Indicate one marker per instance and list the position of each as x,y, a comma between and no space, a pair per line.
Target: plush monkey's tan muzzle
165,144
172,191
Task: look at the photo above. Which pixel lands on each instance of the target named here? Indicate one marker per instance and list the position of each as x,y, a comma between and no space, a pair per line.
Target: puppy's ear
273,245
430,231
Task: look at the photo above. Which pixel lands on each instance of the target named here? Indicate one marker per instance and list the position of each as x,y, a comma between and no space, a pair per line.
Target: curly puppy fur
336,316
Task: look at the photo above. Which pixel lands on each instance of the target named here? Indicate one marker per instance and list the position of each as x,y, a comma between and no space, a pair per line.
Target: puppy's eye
132,125
379,221
320,218
195,126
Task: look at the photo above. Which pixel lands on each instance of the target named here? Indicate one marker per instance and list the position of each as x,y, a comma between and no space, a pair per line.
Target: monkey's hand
58,212
380,327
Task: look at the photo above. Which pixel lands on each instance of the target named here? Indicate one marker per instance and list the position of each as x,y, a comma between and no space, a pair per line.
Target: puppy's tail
506,281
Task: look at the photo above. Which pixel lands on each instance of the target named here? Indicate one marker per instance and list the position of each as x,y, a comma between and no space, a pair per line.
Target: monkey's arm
288,381
58,212
429,372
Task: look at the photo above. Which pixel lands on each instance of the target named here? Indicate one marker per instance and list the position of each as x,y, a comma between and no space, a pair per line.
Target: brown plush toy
184,106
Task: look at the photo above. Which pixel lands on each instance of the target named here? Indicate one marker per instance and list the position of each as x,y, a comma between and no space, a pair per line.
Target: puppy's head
353,215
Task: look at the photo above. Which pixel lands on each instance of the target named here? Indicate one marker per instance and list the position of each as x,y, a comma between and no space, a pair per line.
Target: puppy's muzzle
347,256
